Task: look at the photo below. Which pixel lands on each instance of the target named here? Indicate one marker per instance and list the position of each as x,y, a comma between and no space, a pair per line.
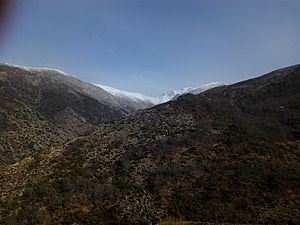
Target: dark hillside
42,108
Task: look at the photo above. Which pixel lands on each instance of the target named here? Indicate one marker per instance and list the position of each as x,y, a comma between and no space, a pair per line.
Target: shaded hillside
59,97
231,154
23,131
40,108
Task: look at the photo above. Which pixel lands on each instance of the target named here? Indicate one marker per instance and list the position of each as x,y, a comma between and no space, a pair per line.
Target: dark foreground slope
23,131
231,154
41,108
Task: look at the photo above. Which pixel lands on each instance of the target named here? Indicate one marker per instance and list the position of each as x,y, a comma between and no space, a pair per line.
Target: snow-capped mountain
148,101
139,98
196,90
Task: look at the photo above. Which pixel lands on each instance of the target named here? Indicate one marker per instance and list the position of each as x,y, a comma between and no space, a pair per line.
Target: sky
153,46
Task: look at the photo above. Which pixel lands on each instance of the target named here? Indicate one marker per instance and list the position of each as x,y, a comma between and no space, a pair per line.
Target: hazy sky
152,46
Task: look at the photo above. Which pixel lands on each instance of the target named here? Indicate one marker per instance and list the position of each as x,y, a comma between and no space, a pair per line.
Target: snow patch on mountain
38,69
134,96
197,90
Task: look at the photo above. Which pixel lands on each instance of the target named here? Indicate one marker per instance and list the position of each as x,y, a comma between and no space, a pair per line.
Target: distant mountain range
147,101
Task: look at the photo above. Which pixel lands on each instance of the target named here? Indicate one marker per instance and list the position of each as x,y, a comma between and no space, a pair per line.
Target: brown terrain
228,155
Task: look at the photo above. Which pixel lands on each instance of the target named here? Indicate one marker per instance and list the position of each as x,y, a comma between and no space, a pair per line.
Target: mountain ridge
41,108
132,100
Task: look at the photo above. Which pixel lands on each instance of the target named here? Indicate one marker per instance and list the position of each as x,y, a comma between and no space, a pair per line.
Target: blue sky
152,46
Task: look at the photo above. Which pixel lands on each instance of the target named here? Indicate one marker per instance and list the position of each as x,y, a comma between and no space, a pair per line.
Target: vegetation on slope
229,155
42,108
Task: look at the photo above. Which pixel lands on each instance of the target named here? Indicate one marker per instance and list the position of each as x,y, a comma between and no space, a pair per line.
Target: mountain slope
22,130
230,154
44,106
55,96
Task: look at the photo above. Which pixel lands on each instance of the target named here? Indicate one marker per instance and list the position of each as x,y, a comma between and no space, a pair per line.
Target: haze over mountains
72,153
